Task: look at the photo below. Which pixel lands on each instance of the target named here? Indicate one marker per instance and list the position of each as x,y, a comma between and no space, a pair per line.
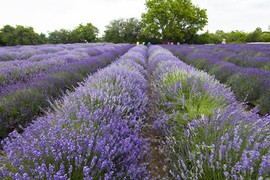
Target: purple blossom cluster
247,55
236,66
97,130
24,100
47,51
209,135
39,59
92,133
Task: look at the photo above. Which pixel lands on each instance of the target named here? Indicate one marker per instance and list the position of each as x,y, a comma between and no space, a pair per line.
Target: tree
61,36
201,38
265,37
113,32
1,41
123,31
42,38
214,38
7,36
236,37
26,35
81,34
173,20
132,30
254,36
19,35
84,33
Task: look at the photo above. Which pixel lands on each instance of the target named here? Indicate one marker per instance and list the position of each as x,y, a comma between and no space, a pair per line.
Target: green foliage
201,38
7,36
42,38
264,102
123,31
59,36
184,91
84,33
215,38
113,31
265,37
19,35
1,41
236,37
246,88
173,20
81,34
233,37
254,36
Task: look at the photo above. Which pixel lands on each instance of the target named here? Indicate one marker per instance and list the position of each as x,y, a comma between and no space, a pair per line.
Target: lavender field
243,67
32,76
123,112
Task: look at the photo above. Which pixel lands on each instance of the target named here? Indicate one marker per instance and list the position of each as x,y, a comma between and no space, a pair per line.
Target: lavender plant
244,77
22,102
209,134
24,70
93,133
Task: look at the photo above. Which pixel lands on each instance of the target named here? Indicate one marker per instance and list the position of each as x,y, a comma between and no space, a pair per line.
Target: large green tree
113,32
123,31
173,20
84,33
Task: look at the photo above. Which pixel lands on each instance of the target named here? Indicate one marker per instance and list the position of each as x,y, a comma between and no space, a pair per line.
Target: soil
157,165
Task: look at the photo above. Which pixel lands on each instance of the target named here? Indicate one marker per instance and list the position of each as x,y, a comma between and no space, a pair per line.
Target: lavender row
208,133
47,51
14,71
245,55
248,84
93,133
22,102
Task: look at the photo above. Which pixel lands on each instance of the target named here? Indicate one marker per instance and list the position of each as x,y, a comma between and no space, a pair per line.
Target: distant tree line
20,35
119,31
233,37
81,34
131,30
163,22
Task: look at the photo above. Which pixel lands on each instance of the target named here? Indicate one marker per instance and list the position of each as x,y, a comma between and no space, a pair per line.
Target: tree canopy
123,31
81,34
19,35
173,20
59,36
84,33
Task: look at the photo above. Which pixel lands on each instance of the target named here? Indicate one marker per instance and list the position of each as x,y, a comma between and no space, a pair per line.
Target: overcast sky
48,15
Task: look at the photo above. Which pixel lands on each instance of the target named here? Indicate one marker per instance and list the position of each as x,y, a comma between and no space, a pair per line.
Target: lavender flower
92,133
24,98
209,134
245,68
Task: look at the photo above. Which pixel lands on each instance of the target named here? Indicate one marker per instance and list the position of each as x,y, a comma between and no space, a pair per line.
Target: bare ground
157,165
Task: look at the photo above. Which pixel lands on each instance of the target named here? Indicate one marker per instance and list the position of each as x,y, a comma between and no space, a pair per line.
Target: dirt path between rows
157,165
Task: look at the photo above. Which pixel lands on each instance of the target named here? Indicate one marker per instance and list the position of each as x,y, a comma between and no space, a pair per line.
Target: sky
49,15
